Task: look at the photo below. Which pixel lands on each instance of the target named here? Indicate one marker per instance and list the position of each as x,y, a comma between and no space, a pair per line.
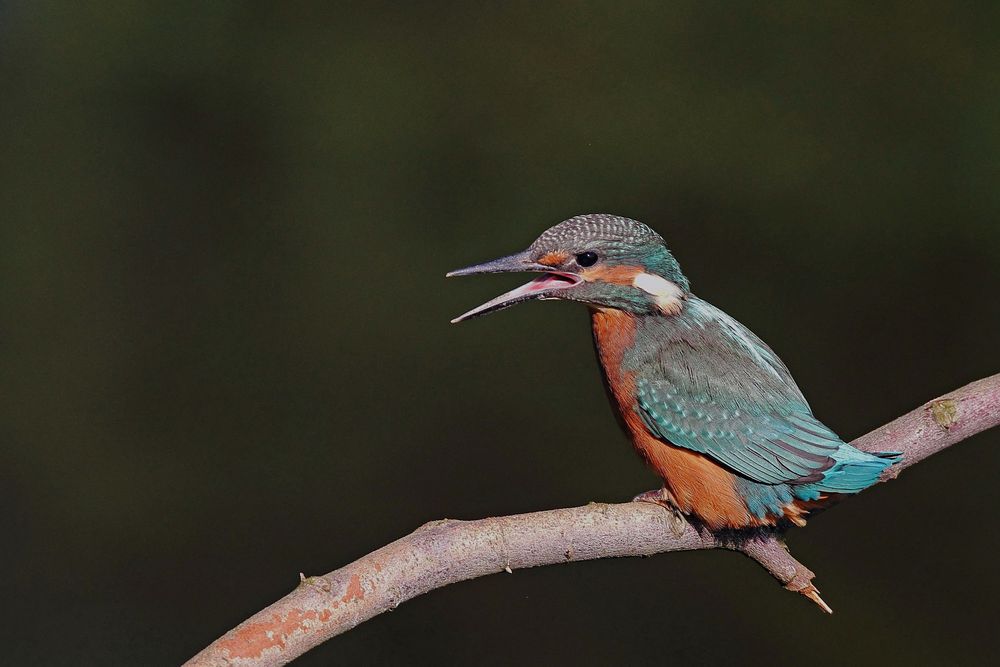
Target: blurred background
226,355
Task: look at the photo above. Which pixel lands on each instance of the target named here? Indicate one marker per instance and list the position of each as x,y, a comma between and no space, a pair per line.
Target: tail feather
853,471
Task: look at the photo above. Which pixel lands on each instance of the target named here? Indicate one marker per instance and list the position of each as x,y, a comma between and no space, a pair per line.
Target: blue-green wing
763,443
707,383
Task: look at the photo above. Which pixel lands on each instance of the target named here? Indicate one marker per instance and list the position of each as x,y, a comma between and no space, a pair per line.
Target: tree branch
445,552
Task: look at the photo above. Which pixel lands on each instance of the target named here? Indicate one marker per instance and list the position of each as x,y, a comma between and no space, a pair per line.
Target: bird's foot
660,496
663,498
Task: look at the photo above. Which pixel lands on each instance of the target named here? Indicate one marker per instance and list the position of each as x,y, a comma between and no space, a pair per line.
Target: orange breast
699,485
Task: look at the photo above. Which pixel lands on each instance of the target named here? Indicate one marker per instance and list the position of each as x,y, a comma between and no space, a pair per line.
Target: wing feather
713,387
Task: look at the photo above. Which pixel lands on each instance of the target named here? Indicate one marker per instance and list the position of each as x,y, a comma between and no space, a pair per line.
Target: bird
706,403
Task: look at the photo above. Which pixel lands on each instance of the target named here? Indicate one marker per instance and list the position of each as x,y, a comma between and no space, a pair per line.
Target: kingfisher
707,404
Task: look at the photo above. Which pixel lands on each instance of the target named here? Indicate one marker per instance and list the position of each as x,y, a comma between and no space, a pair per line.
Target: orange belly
698,485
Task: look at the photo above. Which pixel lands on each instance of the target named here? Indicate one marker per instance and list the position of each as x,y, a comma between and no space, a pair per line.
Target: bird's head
605,261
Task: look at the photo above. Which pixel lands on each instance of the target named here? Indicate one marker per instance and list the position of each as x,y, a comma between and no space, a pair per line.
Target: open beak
545,286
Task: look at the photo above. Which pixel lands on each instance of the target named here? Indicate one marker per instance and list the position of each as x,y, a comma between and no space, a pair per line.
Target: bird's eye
586,258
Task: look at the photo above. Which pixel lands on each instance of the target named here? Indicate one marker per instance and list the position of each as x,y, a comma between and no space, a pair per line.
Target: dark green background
225,347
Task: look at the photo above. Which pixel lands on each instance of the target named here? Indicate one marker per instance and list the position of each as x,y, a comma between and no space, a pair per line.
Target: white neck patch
667,295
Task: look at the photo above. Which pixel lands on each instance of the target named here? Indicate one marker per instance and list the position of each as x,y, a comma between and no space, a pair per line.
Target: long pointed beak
515,263
544,286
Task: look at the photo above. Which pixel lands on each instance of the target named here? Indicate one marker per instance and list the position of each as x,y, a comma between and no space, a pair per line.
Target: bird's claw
663,498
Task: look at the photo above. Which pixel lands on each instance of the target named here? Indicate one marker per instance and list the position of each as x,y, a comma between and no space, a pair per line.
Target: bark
445,552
